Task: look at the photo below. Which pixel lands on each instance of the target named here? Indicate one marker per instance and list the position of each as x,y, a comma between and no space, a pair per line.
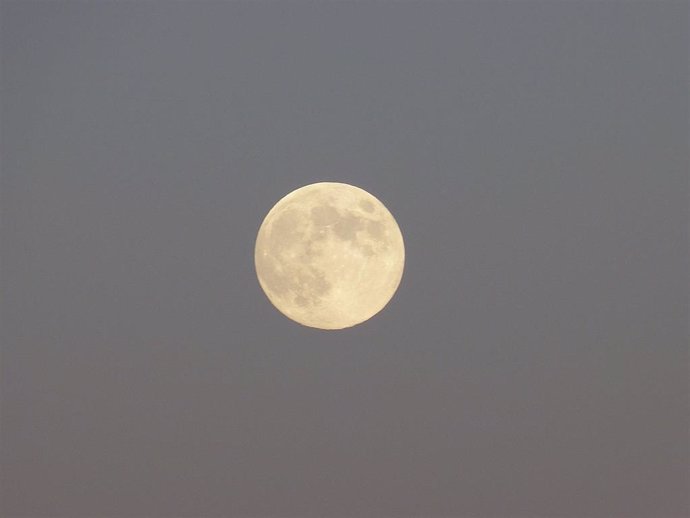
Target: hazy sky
533,362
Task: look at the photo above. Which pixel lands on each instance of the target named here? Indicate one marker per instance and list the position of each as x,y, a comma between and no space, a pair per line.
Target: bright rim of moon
329,255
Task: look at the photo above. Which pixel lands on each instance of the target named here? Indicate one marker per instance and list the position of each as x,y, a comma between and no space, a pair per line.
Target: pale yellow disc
329,255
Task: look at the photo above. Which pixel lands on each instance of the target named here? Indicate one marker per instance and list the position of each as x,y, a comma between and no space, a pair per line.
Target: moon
329,255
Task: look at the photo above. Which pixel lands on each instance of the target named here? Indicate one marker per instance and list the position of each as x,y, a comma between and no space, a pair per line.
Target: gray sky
534,360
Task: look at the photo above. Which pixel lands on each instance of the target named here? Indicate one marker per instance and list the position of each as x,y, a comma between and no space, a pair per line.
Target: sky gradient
533,362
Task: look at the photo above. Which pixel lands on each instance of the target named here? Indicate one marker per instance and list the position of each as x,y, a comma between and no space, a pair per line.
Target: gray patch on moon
324,216
286,228
367,250
366,205
310,286
347,226
375,229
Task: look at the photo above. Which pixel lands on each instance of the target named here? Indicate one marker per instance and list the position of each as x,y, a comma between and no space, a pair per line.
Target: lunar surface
329,255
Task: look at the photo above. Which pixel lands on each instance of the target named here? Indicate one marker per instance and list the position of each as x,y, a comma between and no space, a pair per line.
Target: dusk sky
534,360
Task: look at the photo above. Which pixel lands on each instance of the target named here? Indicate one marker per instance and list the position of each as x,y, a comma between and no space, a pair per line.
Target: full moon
329,255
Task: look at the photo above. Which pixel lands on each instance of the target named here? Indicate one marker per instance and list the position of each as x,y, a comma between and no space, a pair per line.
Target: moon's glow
329,255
